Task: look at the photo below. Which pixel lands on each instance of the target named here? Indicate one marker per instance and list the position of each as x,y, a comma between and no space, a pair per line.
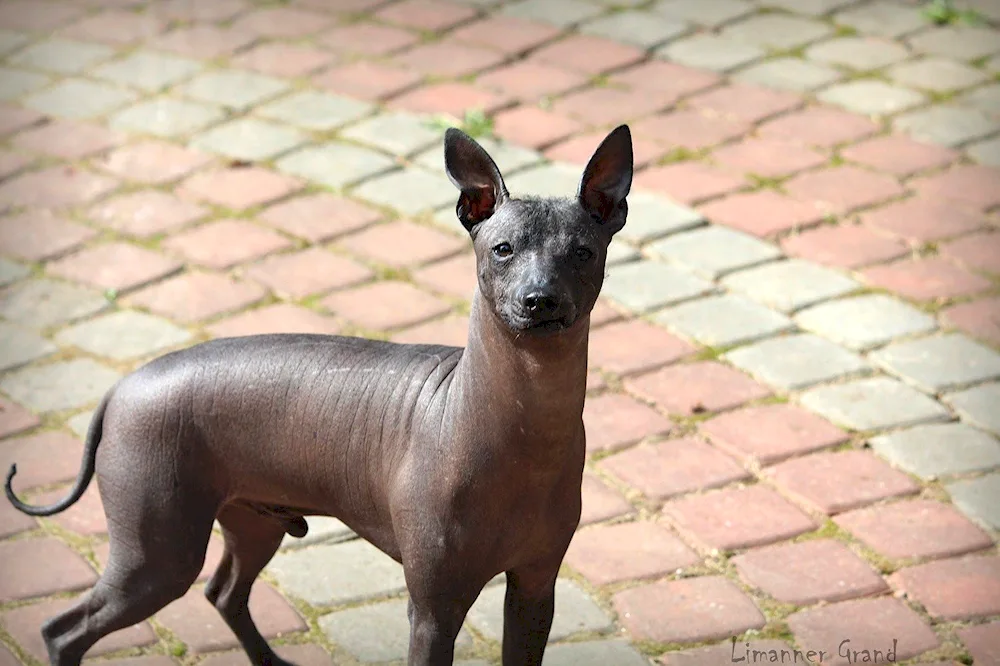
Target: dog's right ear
475,173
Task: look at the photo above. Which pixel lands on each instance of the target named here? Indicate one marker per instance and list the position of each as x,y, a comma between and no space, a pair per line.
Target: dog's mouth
539,327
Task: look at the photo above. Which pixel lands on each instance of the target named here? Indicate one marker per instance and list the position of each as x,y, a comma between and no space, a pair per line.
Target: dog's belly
318,424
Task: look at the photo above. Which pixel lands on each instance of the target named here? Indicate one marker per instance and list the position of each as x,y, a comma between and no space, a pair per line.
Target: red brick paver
832,482
25,623
697,609
927,279
770,433
631,551
197,295
36,236
915,529
616,421
737,518
873,624
38,567
385,305
667,469
694,388
807,572
960,588
600,502
308,272
980,318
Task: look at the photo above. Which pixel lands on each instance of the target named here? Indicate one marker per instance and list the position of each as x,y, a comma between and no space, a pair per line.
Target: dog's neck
527,388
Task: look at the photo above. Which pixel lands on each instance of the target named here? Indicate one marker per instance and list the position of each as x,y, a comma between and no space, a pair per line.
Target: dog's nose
540,302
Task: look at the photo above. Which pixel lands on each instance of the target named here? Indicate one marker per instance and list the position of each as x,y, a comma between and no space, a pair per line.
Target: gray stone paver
11,272
792,74
640,28
716,52
883,18
986,152
594,653
793,362
978,498
651,217
643,286
790,285
710,13
872,403
149,71
940,362
61,56
327,575
575,612
546,180
80,423
810,7
621,253
412,191
936,74
19,346
859,53
335,164
939,449
123,335
509,157
376,633
166,117
777,31
79,98
232,88
978,405
712,251
949,125
561,13
960,42
249,139
863,322
40,303
985,98
871,97
11,41
397,133
58,386
720,321
16,82
315,110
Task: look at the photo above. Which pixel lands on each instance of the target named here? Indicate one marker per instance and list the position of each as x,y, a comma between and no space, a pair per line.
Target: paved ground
794,390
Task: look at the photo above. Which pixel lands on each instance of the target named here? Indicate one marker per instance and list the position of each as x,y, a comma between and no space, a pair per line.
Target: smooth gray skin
460,464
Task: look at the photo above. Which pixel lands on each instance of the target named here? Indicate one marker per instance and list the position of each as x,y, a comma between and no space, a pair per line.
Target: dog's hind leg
154,559
251,541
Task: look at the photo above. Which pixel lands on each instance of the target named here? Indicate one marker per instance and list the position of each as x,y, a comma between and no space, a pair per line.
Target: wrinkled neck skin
522,392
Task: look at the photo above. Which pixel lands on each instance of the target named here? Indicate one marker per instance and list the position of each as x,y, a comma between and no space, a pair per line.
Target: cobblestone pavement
794,396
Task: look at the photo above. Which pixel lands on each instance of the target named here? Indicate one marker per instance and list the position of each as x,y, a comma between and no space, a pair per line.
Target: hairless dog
458,463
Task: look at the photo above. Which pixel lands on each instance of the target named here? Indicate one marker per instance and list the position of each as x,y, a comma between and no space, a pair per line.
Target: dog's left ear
471,169
608,179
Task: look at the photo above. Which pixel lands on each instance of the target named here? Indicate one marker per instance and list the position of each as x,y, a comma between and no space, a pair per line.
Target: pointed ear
608,178
474,172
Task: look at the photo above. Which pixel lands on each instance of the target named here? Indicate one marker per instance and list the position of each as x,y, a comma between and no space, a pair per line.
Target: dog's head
540,261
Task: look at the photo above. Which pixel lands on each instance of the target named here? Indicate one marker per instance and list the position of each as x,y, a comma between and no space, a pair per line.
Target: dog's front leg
528,610
434,626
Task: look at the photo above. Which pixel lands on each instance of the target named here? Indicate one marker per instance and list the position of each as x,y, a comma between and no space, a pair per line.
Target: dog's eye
503,250
583,254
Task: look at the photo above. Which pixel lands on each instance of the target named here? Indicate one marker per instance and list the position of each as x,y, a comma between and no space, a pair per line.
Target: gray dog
460,464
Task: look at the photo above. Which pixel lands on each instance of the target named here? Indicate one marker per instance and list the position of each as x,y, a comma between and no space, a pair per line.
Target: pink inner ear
477,204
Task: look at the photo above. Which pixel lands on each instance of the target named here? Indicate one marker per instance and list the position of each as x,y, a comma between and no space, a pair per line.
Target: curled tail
83,478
